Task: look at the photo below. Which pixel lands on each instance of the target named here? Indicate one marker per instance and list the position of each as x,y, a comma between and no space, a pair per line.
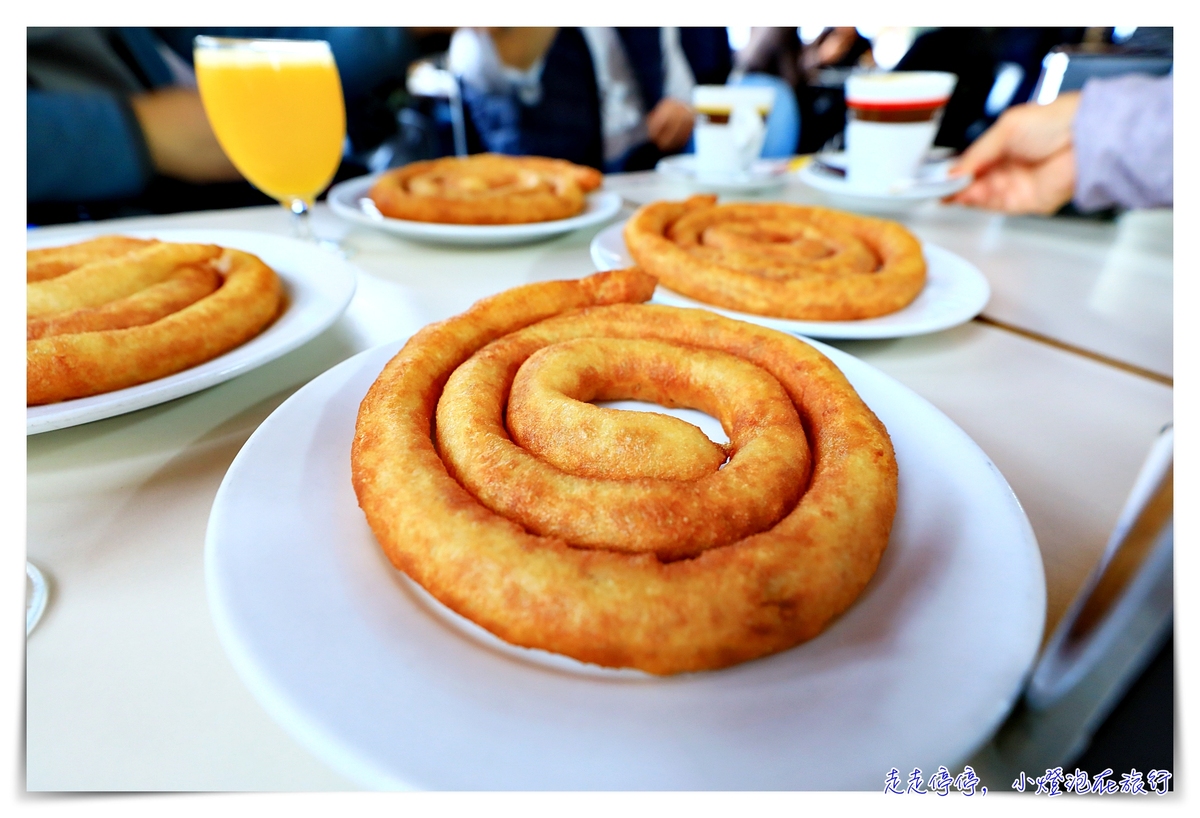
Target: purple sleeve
1124,137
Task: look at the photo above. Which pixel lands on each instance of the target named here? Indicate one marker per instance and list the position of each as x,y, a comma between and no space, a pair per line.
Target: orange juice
276,108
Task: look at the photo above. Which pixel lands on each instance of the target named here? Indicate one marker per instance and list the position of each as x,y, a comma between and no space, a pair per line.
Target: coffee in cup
730,129
891,121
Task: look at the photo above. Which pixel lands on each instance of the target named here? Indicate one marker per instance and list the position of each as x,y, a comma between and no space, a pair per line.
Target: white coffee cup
891,121
730,129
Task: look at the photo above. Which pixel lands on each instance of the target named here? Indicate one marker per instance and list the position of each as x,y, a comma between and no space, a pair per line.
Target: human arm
87,146
179,139
1110,144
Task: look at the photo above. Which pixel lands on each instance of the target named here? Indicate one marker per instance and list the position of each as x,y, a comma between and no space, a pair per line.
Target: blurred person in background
1109,145
613,98
115,126
781,52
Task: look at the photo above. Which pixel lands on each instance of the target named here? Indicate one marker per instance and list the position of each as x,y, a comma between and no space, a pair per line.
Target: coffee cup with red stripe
892,118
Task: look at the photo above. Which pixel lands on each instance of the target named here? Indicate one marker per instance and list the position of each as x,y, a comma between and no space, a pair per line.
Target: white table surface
127,687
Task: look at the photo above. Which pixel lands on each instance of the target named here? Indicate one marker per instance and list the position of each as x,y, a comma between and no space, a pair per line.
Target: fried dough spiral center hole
706,423
553,409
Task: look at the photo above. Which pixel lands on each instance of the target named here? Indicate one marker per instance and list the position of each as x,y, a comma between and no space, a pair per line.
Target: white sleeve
678,79
473,59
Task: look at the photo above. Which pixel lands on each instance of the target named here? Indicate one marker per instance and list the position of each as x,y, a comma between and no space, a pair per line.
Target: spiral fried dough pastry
51,262
779,260
486,188
488,479
130,311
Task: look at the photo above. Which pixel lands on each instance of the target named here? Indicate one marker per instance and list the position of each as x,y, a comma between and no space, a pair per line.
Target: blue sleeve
81,147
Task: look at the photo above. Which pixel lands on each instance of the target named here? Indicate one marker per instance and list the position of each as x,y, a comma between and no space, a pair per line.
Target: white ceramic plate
932,183
319,287
395,691
955,292
765,174
349,200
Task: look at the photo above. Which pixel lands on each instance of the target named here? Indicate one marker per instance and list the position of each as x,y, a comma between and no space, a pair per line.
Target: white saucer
349,200
955,292
765,174
932,182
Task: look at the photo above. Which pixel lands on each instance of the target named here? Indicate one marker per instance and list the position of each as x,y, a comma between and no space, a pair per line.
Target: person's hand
1024,187
670,124
180,140
827,49
1025,162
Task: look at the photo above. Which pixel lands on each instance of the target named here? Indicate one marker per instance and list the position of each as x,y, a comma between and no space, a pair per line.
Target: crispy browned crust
50,262
486,188
731,602
96,346
779,260
550,415
106,280
185,286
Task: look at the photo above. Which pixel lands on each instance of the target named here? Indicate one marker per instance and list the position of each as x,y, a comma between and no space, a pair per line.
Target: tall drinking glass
276,109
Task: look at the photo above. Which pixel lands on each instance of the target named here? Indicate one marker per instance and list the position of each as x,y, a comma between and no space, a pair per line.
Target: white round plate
349,200
933,183
319,287
955,292
395,691
765,174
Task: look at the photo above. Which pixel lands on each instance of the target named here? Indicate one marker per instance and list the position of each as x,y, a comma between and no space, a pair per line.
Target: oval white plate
319,288
338,647
934,184
349,200
955,292
765,174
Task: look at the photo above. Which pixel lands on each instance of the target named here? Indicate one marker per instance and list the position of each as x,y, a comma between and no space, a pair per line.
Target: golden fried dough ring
65,366
186,286
100,282
779,260
731,602
486,188
549,416
49,262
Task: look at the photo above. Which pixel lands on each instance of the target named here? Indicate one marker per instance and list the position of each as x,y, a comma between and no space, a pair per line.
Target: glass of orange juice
276,108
